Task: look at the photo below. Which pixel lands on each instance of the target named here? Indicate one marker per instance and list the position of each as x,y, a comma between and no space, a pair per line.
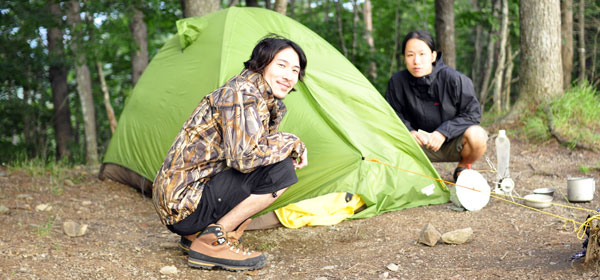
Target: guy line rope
579,230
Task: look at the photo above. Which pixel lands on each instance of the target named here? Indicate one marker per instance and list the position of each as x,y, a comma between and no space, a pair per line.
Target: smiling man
229,162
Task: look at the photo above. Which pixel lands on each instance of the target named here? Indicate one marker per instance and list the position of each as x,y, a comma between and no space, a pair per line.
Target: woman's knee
476,136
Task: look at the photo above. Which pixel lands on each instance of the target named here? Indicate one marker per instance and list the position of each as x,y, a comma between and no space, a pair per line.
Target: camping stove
505,186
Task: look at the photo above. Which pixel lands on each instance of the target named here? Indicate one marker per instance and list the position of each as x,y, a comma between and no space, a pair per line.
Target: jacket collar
263,87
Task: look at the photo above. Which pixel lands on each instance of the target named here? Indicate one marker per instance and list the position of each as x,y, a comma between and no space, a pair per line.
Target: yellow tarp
324,210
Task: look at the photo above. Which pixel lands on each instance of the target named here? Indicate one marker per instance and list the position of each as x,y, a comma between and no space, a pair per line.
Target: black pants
230,187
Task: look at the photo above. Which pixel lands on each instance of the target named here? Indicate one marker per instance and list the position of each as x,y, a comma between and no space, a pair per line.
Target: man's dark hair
421,35
267,48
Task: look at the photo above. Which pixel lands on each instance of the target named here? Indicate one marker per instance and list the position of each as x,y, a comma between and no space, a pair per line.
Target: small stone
168,270
392,267
86,203
3,209
69,183
3,174
43,207
74,229
25,196
458,236
429,235
384,275
329,267
168,245
321,278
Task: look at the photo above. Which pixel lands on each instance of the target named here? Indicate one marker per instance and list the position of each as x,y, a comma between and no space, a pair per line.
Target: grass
44,230
575,116
55,171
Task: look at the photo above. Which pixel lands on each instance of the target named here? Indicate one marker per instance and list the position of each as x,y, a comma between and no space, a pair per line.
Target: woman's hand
303,160
436,140
420,138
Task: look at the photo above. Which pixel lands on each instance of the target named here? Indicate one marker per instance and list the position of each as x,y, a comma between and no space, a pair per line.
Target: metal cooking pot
580,189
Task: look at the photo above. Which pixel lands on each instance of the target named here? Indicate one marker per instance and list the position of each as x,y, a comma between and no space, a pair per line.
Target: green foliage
576,115
535,126
26,108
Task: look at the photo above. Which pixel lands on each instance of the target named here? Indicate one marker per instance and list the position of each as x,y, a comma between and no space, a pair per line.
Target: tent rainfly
340,116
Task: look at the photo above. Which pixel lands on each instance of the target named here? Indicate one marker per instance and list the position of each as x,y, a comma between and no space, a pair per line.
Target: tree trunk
508,77
292,11
566,32
581,37
476,65
84,86
444,29
63,131
281,6
489,64
326,11
594,56
355,20
268,4
251,3
139,56
501,57
368,19
541,68
198,8
110,113
396,44
340,25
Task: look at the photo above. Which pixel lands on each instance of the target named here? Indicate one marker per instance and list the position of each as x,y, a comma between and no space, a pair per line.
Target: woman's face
419,58
283,72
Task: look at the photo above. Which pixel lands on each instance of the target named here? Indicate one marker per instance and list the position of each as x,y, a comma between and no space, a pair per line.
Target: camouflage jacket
234,126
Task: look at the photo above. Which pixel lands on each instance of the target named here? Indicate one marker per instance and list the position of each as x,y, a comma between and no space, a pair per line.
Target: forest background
67,67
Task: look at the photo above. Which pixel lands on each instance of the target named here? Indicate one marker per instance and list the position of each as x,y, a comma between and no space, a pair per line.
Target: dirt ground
125,239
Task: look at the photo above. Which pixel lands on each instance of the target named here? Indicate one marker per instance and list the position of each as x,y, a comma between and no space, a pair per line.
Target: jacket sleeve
392,97
468,109
247,143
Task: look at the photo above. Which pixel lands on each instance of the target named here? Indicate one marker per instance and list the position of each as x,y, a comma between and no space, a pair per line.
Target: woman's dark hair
267,48
421,35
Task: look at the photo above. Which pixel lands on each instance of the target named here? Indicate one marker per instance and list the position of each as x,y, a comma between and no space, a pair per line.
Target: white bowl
538,200
545,191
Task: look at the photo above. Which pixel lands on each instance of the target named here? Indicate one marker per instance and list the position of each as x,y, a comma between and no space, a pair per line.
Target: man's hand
436,140
303,160
421,139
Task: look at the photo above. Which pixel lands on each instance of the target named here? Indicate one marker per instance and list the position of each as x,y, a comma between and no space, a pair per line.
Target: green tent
341,117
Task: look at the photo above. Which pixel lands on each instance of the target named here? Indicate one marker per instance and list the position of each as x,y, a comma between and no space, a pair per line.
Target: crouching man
229,162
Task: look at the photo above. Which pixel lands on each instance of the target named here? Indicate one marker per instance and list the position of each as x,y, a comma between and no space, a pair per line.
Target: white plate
472,190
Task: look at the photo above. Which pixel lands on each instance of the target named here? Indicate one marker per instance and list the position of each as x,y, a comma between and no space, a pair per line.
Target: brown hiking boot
234,237
217,251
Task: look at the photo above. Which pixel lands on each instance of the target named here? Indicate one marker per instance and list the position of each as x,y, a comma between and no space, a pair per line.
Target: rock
429,235
3,174
384,275
329,267
392,267
458,236
74,229
43,207
3,209
169,245
86,203
69,183
321,278
168,270
25,196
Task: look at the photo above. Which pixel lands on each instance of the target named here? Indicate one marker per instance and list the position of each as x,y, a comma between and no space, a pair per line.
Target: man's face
283,72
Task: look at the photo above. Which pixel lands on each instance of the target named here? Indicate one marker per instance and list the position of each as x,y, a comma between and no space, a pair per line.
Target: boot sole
210,265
